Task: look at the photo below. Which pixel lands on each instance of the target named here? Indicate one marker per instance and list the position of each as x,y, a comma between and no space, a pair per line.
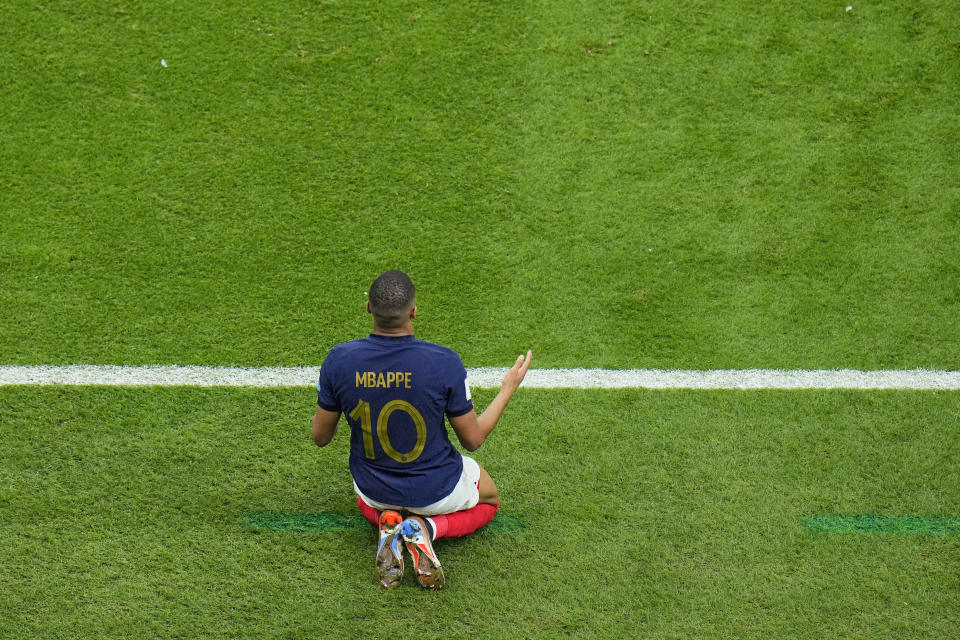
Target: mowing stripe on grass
490,377
882,524
333,521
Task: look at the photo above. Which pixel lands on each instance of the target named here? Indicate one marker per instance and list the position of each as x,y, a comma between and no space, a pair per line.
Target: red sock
368,512
461,523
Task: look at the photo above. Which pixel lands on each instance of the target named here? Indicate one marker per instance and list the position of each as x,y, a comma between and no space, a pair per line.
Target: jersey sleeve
459,400
326,398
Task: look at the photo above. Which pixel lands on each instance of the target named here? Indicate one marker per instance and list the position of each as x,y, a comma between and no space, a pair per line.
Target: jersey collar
390,339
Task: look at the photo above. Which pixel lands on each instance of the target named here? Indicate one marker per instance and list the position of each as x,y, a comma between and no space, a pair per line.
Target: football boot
417,539
389,554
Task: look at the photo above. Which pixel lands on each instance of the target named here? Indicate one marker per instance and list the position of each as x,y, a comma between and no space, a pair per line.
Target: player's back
395,392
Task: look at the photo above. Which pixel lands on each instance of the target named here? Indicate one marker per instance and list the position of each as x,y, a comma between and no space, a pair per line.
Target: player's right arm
327,416
324,426
472,430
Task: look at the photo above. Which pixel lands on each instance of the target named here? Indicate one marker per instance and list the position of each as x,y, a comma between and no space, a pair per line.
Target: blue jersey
395,392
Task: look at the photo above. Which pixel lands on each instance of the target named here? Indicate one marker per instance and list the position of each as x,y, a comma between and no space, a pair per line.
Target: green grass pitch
645,184
650,514
667,184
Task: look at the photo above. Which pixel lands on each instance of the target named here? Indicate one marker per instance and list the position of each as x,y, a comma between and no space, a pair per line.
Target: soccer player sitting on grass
395,391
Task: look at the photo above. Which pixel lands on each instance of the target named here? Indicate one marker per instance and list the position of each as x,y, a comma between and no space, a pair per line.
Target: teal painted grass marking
333,521
327,521
882,524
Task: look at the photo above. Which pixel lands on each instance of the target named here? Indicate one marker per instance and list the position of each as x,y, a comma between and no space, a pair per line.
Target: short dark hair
391,297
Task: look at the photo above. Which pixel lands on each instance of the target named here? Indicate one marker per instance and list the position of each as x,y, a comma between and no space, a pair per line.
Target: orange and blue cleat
389,555
425,561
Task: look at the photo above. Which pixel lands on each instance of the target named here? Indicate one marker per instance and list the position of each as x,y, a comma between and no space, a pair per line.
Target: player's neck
405,330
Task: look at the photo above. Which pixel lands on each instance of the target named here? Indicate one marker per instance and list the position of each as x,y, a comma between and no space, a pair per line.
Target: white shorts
464,496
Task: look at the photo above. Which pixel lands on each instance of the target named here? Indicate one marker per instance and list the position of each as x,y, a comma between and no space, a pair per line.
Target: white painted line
165,376
733,379
490,377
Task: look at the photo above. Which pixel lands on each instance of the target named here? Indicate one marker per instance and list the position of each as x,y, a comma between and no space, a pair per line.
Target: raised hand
515,375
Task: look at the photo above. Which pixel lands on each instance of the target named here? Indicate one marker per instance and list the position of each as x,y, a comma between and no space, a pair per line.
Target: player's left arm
324,426
472,430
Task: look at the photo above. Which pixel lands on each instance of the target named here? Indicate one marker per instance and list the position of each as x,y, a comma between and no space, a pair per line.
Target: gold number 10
362,413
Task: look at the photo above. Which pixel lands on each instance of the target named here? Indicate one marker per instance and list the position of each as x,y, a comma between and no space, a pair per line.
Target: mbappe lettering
384,380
